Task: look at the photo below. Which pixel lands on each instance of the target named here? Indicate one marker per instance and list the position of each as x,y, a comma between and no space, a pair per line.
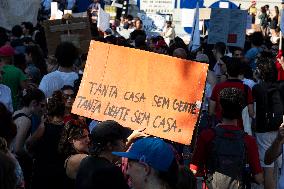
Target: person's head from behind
17,31
151,160
180,53
68,93
28,28
219,49
74,138
257,39
8,129
108,136
33,100
232,103
238,53
66,54
8,178
233,67
267,69
55,107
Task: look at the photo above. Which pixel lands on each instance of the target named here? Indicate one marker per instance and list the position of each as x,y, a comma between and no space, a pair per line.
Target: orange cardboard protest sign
141,89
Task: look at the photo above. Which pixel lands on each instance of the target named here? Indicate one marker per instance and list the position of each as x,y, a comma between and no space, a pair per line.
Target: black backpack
269,106
228,153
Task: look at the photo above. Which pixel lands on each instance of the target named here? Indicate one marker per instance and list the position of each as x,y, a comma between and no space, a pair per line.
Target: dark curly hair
66,54
55,104
267,69
232,102
74,129
28,95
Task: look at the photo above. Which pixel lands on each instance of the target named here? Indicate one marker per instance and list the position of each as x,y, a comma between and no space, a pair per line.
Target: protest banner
152,23
228,26
13,12
75,30
141,89
103,20
162,7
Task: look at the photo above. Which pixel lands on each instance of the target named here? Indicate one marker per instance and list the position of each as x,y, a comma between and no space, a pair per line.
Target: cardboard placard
77,31
140,89
228,26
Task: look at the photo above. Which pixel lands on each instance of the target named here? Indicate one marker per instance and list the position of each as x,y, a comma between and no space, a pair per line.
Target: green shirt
12,77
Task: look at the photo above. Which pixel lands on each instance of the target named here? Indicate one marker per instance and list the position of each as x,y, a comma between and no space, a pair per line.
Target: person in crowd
74,145
68,97
96,170
180,53
275,151
274,20
43,144
33,76
253,11
28,29
51,64
168,32
151,164
8,129
246,75
255,50
265,133
233,71
212,145
161,46
66,55
35,56
18,170
238,53
264,22
5,94
219,51
7,172
138,30
12,76
16,41
33,104
4,38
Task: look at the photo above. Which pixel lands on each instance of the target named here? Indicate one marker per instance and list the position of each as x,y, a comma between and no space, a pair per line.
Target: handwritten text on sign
142,90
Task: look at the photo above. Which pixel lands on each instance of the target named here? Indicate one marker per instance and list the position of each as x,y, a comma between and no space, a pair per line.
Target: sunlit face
82,144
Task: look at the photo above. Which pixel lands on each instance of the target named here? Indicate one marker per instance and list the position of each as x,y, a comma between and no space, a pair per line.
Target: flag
195,35
282,22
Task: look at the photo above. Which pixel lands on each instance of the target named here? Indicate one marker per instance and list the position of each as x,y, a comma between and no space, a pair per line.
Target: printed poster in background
13,12
152,23
228,26
139,91
153,6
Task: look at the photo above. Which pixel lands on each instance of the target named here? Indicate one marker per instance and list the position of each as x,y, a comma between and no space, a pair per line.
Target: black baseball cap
109,131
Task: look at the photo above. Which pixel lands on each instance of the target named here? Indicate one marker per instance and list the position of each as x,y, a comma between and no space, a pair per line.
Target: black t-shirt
136,33
99,173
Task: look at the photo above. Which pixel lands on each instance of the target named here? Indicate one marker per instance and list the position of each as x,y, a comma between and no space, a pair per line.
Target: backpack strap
21,115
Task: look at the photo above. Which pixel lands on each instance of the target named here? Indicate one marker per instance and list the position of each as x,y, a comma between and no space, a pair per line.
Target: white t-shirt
56,80
6,97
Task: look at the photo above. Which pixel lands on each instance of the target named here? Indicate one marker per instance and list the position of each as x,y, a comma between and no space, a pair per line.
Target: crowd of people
237,142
